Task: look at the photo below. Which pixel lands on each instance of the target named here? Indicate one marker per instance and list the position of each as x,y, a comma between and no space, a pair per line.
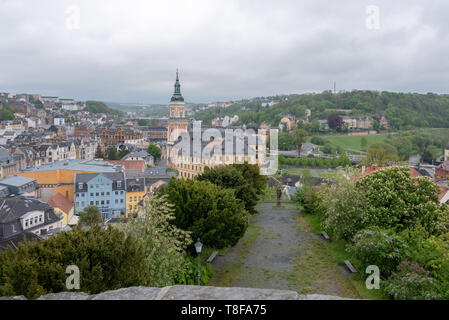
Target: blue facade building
106,191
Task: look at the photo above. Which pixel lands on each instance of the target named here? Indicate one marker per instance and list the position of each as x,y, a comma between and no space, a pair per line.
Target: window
121,192
26,223
102,193
91,185
107,193
116,201
97,186
80,186
121,200
130,199
40,218
82,203
102,201
97,194
96,203
107,201
35,220
119,184
135,198
91,194
91,203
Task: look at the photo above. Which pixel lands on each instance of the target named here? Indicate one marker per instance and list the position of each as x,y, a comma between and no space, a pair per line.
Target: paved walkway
270,253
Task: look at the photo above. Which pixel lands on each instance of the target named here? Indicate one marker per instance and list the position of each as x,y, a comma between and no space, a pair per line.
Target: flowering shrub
411,282
377,247
395,200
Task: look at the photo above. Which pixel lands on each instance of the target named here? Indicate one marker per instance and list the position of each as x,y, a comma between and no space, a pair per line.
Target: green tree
154,151
38,104
143,122
251,173
210,212
381,153
90,216
164,244
231,177
98,153
111,153
107,260
299,137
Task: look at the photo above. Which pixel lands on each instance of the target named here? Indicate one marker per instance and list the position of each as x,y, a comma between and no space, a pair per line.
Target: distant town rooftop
16,181
77,165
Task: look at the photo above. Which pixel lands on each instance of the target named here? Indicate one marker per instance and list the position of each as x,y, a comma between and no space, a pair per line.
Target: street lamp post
198,247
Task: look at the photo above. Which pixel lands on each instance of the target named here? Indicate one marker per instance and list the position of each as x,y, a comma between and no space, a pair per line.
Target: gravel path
267,260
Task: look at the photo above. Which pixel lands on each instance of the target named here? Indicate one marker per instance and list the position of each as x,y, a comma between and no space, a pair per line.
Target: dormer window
80,186
119,184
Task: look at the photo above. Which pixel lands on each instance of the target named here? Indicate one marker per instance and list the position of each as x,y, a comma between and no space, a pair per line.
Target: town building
287,123
117,135
135,192
106,191
19,185
64,208
147,158
21,216
59,177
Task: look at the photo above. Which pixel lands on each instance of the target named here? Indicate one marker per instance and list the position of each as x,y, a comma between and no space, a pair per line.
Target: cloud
117,51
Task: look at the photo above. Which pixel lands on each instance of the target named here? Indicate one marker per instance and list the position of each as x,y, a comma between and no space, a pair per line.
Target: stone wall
184,293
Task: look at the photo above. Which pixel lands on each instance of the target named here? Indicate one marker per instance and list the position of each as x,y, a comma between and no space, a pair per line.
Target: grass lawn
323,173
353,143
336,249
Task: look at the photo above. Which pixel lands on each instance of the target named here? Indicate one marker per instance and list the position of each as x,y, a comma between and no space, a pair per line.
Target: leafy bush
107,260
411,282
230,177
190,274
382,248
210,212
318,140
342,218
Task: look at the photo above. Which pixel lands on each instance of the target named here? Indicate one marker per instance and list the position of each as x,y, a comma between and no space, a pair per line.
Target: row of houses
48,199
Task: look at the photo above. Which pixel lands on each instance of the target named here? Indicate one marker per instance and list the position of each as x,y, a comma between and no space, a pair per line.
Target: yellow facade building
135,192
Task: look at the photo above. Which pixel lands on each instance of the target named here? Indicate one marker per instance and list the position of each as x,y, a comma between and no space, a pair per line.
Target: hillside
154,110
403,110
100,107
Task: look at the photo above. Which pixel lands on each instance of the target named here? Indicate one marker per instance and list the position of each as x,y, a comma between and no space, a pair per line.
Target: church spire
177,94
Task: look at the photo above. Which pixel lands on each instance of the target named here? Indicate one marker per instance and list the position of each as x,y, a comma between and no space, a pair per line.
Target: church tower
177,122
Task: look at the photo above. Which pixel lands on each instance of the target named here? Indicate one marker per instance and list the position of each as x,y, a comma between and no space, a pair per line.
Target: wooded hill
403,110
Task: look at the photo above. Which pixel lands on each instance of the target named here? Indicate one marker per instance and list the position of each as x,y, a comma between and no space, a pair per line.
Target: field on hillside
353,143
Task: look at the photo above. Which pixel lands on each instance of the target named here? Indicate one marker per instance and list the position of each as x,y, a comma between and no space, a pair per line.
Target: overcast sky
128,51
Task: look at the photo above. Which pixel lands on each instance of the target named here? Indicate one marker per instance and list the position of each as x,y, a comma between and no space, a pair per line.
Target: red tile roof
129,164
61,202
413,172
443,192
